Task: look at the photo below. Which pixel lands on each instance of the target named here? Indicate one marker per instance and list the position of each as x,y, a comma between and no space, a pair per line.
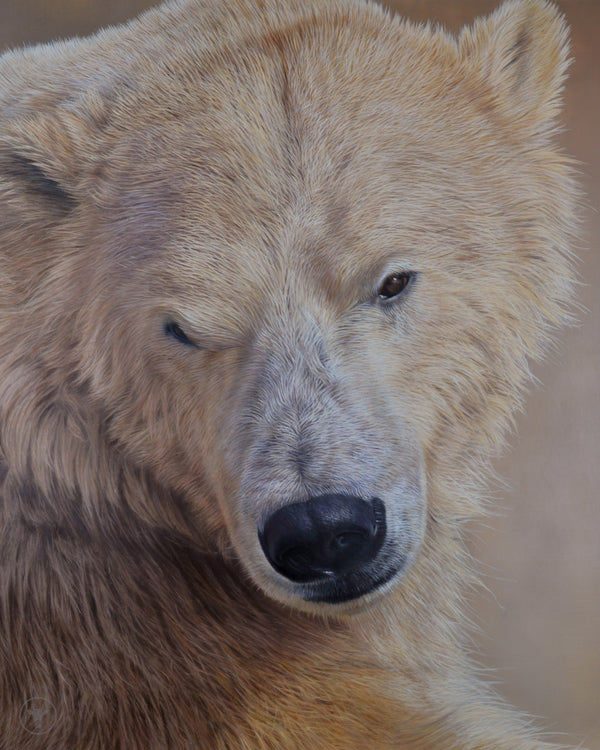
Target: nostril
293,557
348,539
325,536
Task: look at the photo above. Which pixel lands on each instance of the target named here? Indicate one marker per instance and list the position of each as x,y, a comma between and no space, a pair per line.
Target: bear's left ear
522,53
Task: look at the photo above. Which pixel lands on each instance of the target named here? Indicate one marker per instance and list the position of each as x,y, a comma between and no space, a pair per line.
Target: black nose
324,537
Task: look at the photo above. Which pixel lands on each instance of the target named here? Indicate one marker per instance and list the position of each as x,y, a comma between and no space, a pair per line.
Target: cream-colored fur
251,172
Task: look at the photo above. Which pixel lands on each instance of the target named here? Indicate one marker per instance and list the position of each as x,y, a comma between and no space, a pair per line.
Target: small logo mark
37,716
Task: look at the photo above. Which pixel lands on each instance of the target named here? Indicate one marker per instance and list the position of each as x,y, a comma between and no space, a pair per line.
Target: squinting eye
176,331
394,284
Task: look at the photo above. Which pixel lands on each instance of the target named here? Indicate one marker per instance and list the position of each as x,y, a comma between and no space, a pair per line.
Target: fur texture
198,211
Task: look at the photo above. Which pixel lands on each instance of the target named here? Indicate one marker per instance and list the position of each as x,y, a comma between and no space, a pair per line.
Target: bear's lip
352,586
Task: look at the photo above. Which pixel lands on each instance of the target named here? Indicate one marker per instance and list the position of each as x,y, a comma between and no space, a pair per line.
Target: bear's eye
394,284
174,330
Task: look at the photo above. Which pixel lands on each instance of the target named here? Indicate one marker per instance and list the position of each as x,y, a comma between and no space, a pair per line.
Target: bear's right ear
521,55
39,169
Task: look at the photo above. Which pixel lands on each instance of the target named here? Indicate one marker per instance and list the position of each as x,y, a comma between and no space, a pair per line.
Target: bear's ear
522,53
38,166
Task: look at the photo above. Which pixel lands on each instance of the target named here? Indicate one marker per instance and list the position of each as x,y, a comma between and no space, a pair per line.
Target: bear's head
290,269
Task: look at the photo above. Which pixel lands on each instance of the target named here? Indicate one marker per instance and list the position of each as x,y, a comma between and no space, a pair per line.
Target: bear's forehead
215,214
267,150
301,93
254,153
256,210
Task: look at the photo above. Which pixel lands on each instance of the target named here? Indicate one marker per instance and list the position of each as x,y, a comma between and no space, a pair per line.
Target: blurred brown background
540,619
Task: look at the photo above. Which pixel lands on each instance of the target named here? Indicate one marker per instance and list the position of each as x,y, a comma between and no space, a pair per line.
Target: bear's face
265,363
299,286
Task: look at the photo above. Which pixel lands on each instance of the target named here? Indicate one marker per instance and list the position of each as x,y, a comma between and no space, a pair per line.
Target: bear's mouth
351,586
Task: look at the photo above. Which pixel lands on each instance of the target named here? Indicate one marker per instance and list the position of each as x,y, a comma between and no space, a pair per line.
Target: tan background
540,618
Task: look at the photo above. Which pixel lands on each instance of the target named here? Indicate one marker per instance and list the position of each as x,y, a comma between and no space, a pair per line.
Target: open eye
394,284
174,330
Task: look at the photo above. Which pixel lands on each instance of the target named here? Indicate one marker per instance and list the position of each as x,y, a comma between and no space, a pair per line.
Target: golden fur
253,169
